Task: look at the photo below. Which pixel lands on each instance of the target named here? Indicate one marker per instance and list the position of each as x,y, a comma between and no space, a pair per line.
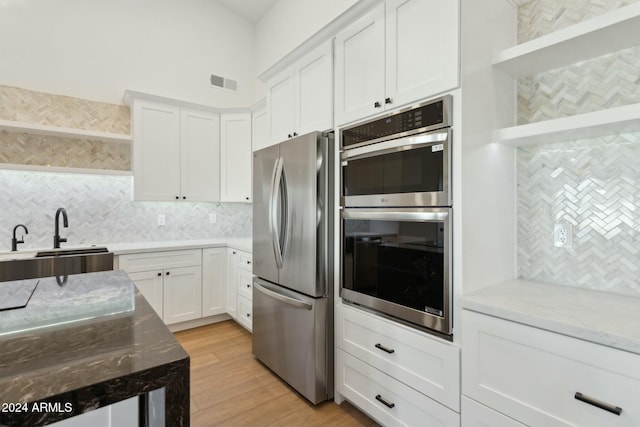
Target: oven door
408,171
398,262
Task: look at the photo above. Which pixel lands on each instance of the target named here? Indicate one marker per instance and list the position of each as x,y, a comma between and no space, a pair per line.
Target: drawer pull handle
598,403
385,402
386,350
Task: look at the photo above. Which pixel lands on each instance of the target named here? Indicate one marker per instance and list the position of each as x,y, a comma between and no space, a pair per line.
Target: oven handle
436,214
395,145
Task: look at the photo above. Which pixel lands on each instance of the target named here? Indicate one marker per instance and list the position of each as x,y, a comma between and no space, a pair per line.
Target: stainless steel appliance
396,232
292,262
401,159
397,261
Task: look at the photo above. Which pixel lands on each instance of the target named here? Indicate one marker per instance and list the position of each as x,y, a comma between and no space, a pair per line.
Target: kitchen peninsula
85,343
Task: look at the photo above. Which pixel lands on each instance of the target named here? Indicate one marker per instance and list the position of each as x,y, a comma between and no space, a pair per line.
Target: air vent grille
223,82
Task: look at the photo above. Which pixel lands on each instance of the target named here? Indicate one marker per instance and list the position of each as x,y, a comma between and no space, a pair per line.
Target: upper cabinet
176,152
299,99
260,129
399,52
235,155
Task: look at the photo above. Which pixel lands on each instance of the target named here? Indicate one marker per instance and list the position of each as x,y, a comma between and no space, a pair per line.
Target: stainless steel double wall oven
396,209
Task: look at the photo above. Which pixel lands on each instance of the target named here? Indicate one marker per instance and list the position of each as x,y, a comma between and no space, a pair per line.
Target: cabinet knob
246,198
234,252
184,197
177,197
376,105
295,134
248,314
159,274
249,262
167,273
388,101
289,135
248,286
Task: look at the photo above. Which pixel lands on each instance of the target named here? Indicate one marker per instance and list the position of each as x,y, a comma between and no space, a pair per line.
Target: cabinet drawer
159,260
245,261
427,364
533,375
245,284
245,313
386,399
475,414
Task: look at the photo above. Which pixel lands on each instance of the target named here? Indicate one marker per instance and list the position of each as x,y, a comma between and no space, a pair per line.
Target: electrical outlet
212,218
161,219
562,235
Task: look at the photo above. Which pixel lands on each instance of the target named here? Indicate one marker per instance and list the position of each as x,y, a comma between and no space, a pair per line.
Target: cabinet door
422,49
280,96
236,156
182,294
260,129
200,156
156,151
314,91
360,68
232,284
245,313
149,283
214,281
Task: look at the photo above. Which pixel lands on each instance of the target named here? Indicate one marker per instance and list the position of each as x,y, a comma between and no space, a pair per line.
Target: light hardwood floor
230,387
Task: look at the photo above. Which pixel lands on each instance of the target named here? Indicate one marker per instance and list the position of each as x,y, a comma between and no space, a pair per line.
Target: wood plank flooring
230,387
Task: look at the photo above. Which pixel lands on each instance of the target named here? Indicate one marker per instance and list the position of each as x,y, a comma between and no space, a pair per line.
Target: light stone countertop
603,318
243,244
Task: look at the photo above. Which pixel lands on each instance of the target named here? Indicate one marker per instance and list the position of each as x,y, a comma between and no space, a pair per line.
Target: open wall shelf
611,32
45,130
588,125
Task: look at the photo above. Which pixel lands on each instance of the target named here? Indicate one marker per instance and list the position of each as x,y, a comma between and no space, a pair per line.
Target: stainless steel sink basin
57,262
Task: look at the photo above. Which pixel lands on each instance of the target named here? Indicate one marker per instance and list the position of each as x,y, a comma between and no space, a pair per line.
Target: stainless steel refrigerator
292,262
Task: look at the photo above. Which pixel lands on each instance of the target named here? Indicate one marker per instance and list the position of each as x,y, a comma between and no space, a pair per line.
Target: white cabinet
214,281
171,281
151,285
236,157
541,378
475,414
260,129
417,374
386,399
299,99
182,294
401,51
175,152
360,68
240,288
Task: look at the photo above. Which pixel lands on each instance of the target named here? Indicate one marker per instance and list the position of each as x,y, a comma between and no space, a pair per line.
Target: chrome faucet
56,238
14,241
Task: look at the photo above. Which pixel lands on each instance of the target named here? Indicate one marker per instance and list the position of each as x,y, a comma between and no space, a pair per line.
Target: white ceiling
251,10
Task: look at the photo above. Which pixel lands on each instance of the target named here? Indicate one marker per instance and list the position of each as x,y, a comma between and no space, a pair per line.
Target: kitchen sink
57,262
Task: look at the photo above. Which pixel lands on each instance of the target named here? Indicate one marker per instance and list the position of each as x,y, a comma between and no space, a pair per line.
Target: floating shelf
588,125
45,130
611,32
62,169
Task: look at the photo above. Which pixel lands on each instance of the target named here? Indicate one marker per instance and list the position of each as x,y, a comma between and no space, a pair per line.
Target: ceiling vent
223,82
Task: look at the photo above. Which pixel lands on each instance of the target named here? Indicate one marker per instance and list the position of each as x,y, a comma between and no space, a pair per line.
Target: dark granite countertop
103,344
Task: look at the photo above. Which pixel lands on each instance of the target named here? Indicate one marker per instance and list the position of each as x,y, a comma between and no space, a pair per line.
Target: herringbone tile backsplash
101,211
594,185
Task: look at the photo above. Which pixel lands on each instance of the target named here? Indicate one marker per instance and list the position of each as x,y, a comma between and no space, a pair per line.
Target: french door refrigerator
292,262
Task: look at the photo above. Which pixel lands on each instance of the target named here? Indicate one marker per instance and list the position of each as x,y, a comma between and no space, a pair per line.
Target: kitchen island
87,342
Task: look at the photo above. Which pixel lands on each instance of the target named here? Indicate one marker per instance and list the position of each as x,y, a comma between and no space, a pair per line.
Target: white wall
95,49
291,22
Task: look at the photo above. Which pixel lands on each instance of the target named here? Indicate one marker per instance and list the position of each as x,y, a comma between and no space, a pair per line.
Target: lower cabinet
214,281
240,288
182,294
542,378
475,414
396,374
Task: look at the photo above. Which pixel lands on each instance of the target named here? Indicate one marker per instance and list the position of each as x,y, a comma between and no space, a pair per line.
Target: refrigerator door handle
283,298
285,212
273,211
